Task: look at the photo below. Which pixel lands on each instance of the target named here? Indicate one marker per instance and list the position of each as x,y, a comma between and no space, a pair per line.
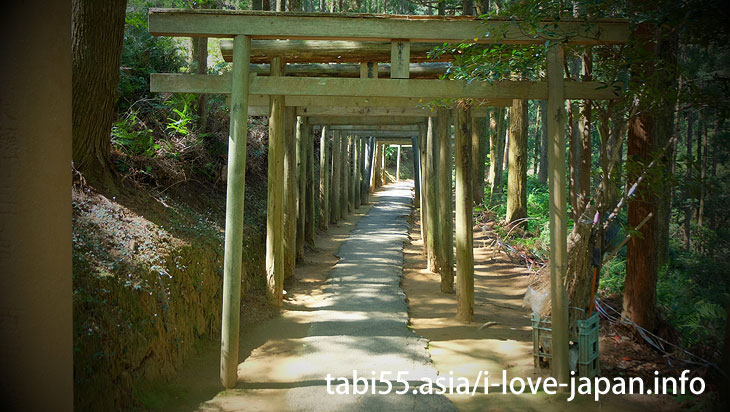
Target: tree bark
478,153
639,301
291,192
324,180
97,30
688,211
200,56
496,150
517,172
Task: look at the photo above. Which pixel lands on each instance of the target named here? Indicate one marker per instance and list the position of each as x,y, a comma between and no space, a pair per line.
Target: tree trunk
301,162
585,152
496,150
517,172
324,180
688,211
542,174
478,152
200,57
467,7
464,221
639,302
291,192
97,30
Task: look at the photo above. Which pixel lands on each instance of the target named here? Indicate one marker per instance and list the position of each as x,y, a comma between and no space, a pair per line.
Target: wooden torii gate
274,37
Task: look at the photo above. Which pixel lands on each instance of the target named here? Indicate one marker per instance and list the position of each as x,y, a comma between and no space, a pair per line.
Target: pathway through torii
360,325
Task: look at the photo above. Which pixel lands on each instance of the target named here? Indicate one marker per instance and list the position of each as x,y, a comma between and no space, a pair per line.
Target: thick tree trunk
301,162
464,221
97,30
542,173
639,301
478,153
496,150
517,172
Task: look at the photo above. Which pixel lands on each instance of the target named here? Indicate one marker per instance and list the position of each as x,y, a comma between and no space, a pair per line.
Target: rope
654,340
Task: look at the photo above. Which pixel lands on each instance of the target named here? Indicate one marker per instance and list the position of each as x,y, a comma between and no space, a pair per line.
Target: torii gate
401,36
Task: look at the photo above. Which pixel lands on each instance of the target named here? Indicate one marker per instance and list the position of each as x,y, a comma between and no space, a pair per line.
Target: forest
648,197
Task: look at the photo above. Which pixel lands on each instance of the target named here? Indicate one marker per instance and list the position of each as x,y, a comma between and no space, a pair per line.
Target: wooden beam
368,27
345,185
235,189
365,120
275,201
400,58
429,70
356,161
419,90
405,129
464,222
404,141
397,165
384,133
332,51
369,70
558,213
446,216
382,111
424,177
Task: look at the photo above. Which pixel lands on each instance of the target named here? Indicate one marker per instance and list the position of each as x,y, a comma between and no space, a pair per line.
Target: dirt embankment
147,276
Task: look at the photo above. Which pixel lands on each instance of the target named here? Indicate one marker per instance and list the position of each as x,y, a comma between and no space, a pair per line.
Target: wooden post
344,170
416,172
422,166
324,181
397,166
464,222
356,146
446,215
301,138
291,191
558,211
381,176
431,190
374,184
367,169
275,203
336,174
309,183
233,248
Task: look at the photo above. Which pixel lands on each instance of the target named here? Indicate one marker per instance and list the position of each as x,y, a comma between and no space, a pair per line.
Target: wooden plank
446,216
422,91
464,221
558,213
384,133
365,120
428,70
400,58
378,111
416,172
405,141
332,51
324,184
405,129
275,203
365,27
233,246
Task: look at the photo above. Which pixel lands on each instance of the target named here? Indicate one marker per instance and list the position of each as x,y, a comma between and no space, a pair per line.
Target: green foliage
182,107
130,136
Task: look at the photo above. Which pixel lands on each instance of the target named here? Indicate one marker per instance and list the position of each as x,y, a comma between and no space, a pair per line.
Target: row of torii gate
365,113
